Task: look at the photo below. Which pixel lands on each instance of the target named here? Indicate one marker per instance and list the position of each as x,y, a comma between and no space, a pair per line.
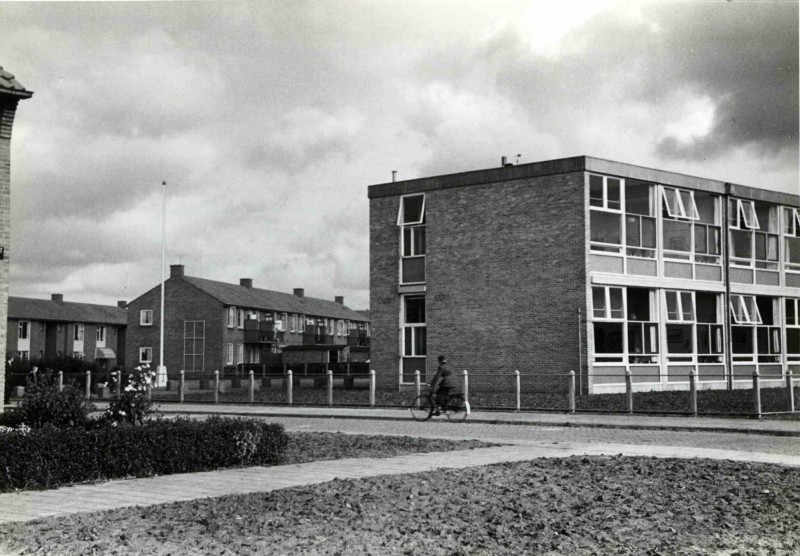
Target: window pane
742,339
596,191
408,342
679,338
749,214
413,270
636,337
672,305
772,247
412,209
637,199
415,310
686,306
607,337
741,244
632,237
613,193
606,227
793,341
599,303
766,309
649,232
689,209
671,202
765,343
767,216
638,304
706,307
419,240
616,303
677,235
420,340
706,207
793,250
713,241
700,239
704,340
790,312
407,242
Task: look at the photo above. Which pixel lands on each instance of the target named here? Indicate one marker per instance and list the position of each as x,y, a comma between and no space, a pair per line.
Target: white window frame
284,321
680,299
794,325
78,332
146,317
239,353
742,215
229,354
145,355
405,325
101,333
607,316
604,206
196,353
340,328
400,212
24,330
240,318
681,213
792,227
231,316
751,314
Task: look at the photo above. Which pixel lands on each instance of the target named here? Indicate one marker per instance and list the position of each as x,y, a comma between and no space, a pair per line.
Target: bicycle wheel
421,408
457,409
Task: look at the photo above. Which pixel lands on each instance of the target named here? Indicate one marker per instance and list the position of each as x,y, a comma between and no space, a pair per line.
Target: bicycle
455,408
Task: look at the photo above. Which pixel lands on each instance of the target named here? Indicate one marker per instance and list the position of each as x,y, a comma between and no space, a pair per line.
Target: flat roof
577,164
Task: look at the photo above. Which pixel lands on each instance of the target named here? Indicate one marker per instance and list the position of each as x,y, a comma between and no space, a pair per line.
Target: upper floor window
753,234
605,201
791,218
691,226
640,223
742,215
340,328
679,203
101,333
78,335
231,317
284,321
240,315
607,303
792,307
293,323
412,239
146,317
412,210
605,192
744,310
24,330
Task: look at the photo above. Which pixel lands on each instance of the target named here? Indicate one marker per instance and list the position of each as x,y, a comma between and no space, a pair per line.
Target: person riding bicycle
443,384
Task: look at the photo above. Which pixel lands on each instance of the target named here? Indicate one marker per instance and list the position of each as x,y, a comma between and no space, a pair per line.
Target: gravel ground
578,505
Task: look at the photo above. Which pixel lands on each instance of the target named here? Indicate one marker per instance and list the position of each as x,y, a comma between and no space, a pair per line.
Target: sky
268,120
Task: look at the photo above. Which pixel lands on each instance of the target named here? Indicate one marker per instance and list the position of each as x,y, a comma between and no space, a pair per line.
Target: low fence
512,392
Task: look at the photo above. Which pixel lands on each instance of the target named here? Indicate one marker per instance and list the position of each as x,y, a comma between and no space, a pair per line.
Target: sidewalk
598,420
30,505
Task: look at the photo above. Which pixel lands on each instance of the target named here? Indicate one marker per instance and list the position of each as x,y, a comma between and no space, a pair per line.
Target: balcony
358,341
256,332
318,339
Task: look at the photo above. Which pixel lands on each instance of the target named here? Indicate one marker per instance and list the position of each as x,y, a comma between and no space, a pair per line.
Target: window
792,307
681,324
679,204
709,328
414,337
340,329
194,336
240,318
768,333
78,333
24,354
607,303
753,234
101,334
229,354
752,320
240,353
640,224
605,216
24,330
642,326
680,306
293,323
231,317
791,218
412,210
145,355
146,317
284,321
742,215
302,323
625,325
744,310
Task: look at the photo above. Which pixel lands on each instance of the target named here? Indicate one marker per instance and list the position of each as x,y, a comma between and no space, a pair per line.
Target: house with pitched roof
49,328
211,325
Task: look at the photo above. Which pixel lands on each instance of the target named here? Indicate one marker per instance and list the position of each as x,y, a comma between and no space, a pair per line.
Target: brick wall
505,277
182,302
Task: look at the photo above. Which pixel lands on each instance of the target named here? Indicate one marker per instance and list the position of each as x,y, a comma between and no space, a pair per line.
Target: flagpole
161,377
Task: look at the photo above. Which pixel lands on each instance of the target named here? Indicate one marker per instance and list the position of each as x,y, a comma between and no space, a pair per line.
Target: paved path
525,443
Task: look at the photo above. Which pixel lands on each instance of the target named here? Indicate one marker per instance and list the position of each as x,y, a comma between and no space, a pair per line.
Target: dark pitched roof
256,298
65,311
11,86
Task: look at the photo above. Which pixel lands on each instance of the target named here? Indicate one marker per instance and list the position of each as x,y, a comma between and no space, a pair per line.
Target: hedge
50,457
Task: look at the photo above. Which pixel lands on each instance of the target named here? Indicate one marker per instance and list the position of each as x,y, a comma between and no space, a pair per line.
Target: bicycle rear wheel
421,408
458,409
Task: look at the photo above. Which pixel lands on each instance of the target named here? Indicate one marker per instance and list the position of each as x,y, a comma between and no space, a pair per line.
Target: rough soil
578,505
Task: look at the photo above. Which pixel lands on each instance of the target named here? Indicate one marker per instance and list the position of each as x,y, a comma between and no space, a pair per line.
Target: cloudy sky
269,120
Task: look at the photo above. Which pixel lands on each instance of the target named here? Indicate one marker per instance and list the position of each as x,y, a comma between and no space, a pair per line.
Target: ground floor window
146,355
194,345
414,340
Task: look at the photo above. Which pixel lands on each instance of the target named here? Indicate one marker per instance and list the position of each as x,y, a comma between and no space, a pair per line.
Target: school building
589,265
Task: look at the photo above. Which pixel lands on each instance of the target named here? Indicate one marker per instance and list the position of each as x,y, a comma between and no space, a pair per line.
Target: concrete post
289,387
252,386
181,384
216,386
518,390
629,390
417,387
330,388
119,384
693,391
790,389
60,381
372,387
756,394
88,385
466,386
572,391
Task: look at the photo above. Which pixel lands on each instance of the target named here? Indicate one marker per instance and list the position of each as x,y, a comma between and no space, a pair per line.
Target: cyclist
443,384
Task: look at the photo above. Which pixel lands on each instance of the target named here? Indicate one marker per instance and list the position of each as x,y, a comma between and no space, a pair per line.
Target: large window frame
194,339
146,317
412,238
754,242
615,322
413,337
606,204
791,240
688,234
231,316
24,330
791,317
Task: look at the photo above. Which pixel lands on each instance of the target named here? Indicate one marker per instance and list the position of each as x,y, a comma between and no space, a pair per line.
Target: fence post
790,389
216,386
88,385
289,387
756,394
629,390
572,391
119,383
181,384
60,381
693,391
466,386
518,389
417,387
330,388
372,387
252,386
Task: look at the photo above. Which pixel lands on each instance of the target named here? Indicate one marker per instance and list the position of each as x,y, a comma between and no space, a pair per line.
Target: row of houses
208,325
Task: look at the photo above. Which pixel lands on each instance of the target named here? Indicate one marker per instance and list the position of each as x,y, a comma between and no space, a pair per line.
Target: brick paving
550,438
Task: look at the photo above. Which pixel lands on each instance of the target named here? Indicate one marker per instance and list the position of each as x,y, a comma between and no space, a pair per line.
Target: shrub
133,405
49,457
44,405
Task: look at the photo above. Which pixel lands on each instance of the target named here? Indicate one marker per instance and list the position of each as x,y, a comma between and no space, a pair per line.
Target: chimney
246,282
339,299
176,271
299,292
122,304
57,297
